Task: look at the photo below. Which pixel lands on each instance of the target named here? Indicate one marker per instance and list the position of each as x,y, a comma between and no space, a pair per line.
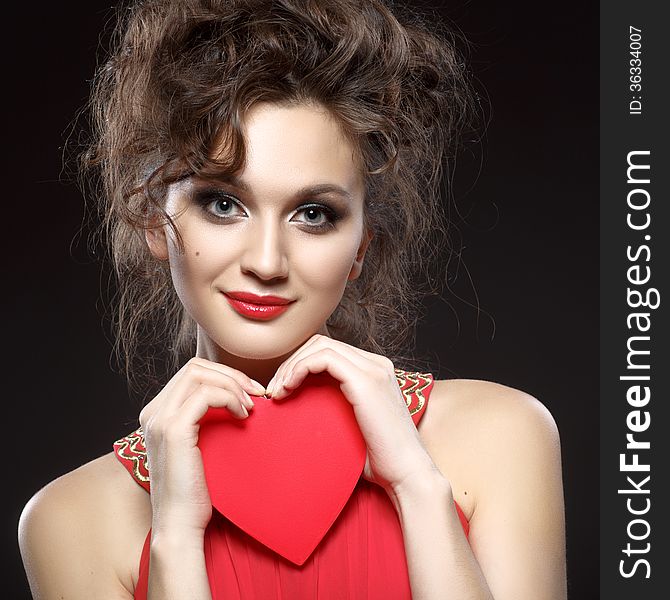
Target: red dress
362,555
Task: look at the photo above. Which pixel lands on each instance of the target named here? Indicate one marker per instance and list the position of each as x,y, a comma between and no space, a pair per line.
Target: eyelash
206,199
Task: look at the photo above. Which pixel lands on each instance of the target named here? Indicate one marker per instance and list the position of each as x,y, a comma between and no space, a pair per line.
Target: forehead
297,145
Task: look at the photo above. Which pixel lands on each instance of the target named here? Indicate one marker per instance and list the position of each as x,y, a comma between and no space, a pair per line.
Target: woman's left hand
395,453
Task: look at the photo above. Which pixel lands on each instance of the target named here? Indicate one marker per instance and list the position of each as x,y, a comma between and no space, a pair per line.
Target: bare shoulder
474,427
485,404
499,448
81,535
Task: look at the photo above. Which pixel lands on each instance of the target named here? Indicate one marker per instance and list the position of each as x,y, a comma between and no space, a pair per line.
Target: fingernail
260,388
245,411
278,389
270,387
250,402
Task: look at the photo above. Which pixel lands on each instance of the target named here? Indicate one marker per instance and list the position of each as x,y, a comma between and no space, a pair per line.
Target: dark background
527,278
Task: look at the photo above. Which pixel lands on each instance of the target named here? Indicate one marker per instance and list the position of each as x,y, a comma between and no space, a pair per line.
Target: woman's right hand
179,497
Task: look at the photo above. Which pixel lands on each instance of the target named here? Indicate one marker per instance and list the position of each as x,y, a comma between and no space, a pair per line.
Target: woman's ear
357,267
156,239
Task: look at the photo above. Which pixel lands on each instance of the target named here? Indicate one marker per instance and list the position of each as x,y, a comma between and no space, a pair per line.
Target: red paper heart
284,474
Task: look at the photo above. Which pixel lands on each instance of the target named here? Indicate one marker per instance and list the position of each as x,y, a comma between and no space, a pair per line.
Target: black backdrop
529,260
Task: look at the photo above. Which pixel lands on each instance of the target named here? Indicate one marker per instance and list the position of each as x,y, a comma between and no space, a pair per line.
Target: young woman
270,180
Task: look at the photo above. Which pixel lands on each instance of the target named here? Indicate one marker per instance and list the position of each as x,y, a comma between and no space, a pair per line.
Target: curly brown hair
179,78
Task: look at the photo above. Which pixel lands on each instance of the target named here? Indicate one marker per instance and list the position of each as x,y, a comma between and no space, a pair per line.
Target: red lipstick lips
262,308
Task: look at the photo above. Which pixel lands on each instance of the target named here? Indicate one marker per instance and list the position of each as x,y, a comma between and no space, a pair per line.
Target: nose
264,254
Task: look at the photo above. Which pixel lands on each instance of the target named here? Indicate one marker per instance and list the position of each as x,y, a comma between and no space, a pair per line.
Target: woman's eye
223,206
318,217
218,205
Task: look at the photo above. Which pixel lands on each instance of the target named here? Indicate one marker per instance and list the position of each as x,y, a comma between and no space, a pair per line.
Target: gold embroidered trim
132,448
412,385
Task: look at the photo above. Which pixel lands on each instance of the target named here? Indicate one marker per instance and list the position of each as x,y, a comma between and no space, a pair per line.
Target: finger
248,384
325,360
345,348
316,344
173,394
272,385
356,353
182,425
195,374
204,398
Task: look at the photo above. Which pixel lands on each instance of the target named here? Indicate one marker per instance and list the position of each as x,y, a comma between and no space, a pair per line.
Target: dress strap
132,453
416,388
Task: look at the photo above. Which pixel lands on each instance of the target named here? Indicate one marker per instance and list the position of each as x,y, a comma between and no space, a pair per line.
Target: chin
261,346
262,340
257,352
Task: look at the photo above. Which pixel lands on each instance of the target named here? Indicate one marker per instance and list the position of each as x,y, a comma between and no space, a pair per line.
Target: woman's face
289,225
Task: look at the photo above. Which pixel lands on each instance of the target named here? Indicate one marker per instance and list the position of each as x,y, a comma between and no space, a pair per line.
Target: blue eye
220,206
223,206
318,216
217,204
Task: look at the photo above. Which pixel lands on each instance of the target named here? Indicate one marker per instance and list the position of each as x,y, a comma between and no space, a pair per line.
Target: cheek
327,267
203,258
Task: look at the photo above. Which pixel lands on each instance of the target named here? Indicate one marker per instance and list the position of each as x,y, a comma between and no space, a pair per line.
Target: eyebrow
308,190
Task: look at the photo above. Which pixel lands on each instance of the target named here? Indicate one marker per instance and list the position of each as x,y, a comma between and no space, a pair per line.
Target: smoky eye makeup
217,203
329,216
312,216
